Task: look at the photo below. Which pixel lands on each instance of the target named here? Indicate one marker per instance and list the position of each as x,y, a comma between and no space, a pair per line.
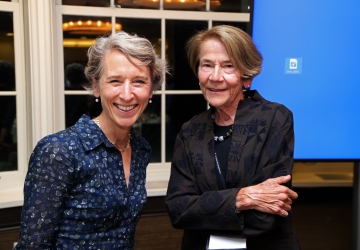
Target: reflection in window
192,5
7,54
189,5
100,3
148,28
79,34
8,135
8,130
138,4
77,105
180,109
149,127
242,6
177,34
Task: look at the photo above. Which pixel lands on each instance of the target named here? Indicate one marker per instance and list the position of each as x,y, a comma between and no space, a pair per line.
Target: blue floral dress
75,193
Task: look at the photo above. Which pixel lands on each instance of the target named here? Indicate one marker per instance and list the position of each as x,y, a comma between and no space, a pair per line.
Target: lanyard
218,170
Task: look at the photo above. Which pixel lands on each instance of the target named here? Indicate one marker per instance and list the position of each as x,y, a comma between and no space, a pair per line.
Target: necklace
222,137
120,148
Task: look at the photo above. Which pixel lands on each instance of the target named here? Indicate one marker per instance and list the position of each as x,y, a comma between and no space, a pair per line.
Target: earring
96,99
150,101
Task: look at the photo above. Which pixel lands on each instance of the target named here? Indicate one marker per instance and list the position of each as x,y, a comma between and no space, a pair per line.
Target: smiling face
124,90
220,82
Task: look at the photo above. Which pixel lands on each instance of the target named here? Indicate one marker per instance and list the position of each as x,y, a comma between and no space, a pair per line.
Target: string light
89,27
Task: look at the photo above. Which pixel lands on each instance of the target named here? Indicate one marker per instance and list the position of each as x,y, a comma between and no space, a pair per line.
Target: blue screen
311,50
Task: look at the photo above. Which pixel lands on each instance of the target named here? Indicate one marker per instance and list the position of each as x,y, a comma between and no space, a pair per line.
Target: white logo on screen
293,64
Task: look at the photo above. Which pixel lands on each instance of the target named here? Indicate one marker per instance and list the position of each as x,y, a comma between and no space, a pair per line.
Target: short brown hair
239,46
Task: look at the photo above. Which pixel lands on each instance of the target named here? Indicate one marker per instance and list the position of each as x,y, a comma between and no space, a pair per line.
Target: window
44,51
13,136
168,25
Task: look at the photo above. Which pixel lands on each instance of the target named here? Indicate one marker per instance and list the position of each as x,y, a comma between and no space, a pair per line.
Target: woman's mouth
216,90
125,108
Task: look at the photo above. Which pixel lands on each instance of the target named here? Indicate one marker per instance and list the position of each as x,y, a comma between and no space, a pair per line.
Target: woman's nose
126,91
216,74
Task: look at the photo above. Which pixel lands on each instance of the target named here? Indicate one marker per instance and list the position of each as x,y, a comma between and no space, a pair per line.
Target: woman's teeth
126,108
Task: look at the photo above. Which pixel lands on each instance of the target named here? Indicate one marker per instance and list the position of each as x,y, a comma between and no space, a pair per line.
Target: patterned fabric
262,147
75,193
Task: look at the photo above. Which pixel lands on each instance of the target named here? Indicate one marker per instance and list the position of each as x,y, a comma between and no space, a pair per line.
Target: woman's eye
228,68
206,67
139,81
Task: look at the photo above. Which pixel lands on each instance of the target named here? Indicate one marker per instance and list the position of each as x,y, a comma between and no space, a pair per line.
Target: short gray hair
132,46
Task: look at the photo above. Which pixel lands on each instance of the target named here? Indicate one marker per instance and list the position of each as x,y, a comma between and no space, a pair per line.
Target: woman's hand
268,197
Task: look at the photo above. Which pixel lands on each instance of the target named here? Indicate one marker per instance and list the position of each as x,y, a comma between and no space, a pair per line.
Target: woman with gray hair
230,176
85,186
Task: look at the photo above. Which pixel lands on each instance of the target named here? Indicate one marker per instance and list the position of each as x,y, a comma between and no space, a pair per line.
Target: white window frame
36,97
12,181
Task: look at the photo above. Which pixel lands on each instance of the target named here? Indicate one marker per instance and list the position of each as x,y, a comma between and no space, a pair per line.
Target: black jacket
262,147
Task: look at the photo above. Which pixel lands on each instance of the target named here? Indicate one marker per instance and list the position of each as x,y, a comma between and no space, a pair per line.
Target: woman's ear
247,82
95,88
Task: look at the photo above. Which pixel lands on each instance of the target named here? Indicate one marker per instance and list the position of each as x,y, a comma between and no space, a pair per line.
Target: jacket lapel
208,150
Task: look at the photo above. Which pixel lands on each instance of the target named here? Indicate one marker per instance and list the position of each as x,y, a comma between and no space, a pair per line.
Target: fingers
270,198
292,195
275,184
276,207
280,179
284,214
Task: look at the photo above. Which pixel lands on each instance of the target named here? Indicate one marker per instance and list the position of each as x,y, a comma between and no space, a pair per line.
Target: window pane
8,133
101,3
149,127
138,4
177,34
188,5
244,26
7,55
77,105
149,28
196,5
230,6
79,33
180,109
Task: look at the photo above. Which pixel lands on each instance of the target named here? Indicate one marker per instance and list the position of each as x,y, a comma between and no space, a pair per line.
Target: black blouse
261,147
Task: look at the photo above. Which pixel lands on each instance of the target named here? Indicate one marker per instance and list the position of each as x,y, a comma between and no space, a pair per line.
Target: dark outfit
75,194
261,147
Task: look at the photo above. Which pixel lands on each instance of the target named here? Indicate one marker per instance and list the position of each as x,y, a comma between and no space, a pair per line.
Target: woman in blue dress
85,186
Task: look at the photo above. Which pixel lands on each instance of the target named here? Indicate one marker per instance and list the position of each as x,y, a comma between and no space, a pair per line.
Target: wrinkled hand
268,197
